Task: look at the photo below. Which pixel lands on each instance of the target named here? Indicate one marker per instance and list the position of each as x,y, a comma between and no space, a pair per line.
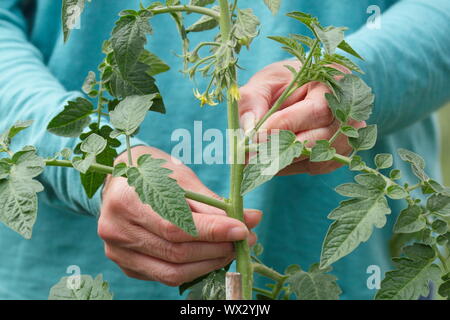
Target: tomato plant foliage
125,90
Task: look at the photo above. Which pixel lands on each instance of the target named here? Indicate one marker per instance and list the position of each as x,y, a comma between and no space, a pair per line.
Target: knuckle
321,113
173,277
178,253
105,230
169,231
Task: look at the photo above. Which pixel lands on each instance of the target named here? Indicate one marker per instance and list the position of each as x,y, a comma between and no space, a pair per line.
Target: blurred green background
444,117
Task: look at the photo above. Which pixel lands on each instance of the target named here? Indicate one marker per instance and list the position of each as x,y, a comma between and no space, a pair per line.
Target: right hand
147,247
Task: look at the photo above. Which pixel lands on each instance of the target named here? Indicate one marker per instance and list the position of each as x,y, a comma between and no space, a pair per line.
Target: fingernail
237,233
248,120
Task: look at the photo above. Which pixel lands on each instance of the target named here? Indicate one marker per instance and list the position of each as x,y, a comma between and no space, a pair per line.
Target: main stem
236,209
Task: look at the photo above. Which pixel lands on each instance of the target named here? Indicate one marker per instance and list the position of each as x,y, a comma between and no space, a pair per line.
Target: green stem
236,209
109,170
99,104
130,157
263,291
268,272
186,8
287,92
207,200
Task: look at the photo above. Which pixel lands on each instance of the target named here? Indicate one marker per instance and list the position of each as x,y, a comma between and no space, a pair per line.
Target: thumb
254,103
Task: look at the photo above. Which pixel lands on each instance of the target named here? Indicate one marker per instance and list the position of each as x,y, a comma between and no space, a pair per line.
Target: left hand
305,112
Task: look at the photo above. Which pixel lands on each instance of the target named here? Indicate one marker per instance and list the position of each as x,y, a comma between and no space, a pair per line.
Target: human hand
147,247
305,112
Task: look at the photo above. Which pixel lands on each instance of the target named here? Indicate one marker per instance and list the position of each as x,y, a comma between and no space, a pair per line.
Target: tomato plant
125,90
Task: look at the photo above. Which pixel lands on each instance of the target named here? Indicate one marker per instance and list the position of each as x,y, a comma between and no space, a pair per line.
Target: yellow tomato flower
204,98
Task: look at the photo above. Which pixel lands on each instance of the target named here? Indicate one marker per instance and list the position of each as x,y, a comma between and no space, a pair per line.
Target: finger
144,267
210,228
311,113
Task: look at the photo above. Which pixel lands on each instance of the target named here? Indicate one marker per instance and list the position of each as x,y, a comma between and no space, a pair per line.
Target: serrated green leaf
395,174
130,113
92,181
204,23
73,119
416,161
354,190
128,41
273,5
291,46
357,164
154,63
410,220
356,219
87,289
322,151
343,61
304,18
155,188
316,284
371,180
330,37
355,99
413,273
271,161
439,203
18,199
384,160
366,139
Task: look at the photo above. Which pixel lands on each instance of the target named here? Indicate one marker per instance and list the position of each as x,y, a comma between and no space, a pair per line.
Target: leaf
440,226
396,192
273,5
291,46
272,161
356,219
384,160
92,181
355,190
214,286
316,284
366,140
94,144
304,18
154,63
355,100
162,193
18,200
439,203
86,289
89,83
8,135
371,180
71,12
246,26
330,37
413,273
357,164
83,164
416,161
120,169
322,151
73,119
344,46
444,288
201,3
130,113
128,41
395,174
204,23
349,131
410,220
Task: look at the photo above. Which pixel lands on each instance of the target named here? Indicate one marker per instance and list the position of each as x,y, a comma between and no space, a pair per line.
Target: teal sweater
407,62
